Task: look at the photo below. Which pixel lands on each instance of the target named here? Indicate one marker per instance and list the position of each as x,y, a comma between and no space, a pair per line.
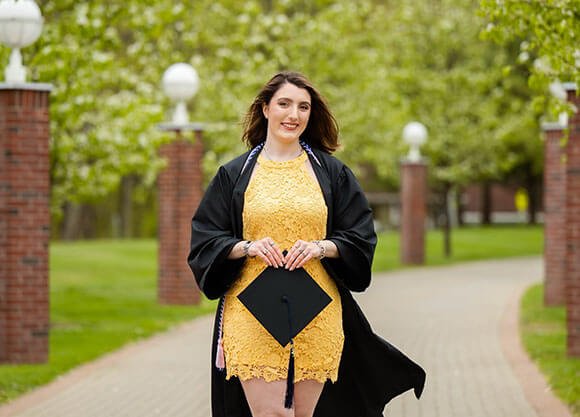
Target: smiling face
287,112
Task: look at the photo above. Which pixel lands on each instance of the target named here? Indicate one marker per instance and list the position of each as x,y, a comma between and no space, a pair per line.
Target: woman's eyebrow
289,99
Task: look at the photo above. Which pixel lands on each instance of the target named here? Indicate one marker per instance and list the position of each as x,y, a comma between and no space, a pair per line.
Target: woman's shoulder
334,166
328,158
233,167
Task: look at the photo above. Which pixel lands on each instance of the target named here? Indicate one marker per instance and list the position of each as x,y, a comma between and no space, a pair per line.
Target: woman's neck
280,152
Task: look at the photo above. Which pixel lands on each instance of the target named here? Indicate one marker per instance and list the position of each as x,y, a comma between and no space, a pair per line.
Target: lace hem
245,372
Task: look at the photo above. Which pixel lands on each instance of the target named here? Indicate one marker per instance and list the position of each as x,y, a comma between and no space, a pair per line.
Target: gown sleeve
352,232
212,239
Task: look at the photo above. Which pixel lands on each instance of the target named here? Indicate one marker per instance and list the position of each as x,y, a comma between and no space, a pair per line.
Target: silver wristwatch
246,247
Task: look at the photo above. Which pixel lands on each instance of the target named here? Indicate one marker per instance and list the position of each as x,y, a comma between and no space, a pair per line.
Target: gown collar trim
260,146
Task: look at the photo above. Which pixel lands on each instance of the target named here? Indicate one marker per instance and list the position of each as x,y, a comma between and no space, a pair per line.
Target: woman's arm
331,249
237,251
352,232
212,239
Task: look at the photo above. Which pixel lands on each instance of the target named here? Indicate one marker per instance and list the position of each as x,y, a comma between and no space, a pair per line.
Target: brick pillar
179,195
573,226
24,223
413,212
554,215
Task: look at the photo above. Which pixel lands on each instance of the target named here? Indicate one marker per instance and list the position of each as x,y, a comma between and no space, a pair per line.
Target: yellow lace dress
285,202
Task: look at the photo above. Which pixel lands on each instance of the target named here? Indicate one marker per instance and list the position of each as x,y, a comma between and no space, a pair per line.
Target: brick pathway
448,319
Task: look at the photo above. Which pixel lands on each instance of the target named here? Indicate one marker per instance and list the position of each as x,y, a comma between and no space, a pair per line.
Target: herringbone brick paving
445,318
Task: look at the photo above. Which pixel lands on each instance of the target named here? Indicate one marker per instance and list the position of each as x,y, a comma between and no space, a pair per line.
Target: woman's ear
265,110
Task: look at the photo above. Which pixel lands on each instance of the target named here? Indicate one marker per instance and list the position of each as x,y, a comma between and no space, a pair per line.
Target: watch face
246,247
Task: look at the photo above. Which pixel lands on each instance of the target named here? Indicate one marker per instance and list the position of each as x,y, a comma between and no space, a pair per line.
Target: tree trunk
486,203
71,221
460,208
447,223
88,221
126,205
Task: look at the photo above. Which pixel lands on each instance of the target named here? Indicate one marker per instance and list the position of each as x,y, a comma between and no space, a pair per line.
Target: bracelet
246,247
322,249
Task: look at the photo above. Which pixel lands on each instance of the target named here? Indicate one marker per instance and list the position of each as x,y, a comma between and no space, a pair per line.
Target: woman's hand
267,249
300,253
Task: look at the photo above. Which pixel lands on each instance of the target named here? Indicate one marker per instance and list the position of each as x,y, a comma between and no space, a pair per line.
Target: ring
300,250
265,251
271,243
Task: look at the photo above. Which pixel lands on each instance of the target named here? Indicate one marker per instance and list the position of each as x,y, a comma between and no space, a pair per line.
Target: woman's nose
293,112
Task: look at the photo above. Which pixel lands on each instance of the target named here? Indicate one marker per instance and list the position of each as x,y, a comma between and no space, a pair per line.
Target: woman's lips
290,126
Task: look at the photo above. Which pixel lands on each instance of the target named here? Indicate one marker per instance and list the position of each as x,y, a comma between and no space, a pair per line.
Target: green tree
450,80
549,35
380,64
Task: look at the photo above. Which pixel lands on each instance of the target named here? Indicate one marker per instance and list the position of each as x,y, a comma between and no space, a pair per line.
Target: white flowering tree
548,32
380,65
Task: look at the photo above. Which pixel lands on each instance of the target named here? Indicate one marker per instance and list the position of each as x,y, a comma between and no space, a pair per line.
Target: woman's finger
264,258
293,252
277,254
297,261
259,247
291,257
268,254
302,261
273,249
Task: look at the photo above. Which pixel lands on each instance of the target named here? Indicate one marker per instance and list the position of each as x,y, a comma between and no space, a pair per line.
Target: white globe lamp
20,25
415,135
180,83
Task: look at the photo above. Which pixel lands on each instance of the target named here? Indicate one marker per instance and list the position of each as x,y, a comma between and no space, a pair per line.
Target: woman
287,203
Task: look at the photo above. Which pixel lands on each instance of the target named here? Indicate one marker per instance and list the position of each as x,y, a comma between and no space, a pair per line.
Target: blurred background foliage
380,63
549,31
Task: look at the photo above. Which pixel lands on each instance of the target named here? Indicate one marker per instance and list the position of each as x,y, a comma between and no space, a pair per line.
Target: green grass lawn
468,244
543,332
103,293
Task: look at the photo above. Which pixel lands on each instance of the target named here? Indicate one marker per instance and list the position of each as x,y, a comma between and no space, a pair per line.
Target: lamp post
179,188
413,196
20,26
24,195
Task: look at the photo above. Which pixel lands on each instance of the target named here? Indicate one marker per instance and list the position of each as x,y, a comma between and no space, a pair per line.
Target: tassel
290,379
220,360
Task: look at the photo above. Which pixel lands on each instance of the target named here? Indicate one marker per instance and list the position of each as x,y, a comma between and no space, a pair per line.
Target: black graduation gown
372,371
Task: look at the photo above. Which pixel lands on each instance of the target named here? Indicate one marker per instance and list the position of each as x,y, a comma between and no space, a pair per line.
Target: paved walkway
458,322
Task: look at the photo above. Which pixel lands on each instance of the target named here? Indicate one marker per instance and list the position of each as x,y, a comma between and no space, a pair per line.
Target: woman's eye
283,103
304,107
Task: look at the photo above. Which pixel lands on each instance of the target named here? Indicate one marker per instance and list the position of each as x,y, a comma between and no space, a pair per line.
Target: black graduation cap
279,298
284,302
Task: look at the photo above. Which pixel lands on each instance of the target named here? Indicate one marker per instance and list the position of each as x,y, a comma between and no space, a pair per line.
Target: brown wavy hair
321,131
